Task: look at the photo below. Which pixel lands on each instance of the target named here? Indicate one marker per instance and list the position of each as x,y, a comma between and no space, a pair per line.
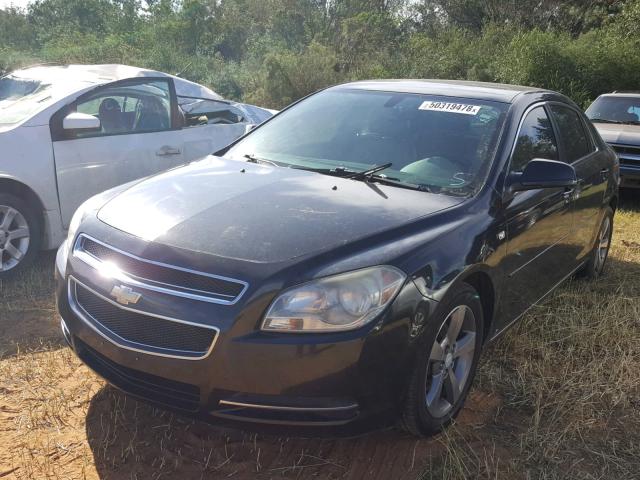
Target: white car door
139,135
210,125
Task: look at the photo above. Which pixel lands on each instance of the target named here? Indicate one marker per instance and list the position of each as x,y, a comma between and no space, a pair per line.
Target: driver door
139,136
538,224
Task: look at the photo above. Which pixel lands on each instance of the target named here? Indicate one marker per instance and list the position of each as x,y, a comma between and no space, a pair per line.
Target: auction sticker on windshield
450,107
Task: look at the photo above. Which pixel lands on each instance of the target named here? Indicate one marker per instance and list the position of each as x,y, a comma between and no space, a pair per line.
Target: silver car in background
616,116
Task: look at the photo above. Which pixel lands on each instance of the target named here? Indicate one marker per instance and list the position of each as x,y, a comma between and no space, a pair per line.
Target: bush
12,60
287,76
272,52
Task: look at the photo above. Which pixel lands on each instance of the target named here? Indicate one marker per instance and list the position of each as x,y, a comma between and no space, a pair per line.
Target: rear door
139,136
538,223
578,148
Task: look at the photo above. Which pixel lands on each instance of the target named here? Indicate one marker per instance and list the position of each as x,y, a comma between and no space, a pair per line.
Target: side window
535,140
596,136
574,139
133,108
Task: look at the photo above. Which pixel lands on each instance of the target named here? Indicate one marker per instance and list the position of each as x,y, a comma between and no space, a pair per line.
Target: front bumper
334,383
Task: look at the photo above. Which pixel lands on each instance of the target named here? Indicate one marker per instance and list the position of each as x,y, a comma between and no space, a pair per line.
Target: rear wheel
19,234
598,259
445,365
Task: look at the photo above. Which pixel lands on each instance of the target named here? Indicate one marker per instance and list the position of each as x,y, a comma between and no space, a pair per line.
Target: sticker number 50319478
450,107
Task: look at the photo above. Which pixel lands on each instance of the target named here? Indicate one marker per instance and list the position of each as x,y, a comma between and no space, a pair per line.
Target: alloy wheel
14,237
450,361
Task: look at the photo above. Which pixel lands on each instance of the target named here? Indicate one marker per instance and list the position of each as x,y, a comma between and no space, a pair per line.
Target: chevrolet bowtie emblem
125,295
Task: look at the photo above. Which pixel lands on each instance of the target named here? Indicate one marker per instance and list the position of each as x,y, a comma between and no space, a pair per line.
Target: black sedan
343,265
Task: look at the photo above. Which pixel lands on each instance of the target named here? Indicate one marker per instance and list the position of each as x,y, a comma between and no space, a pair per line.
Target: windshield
442,144
615,110
20,98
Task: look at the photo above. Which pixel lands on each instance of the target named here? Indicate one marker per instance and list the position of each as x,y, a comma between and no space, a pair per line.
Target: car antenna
179,74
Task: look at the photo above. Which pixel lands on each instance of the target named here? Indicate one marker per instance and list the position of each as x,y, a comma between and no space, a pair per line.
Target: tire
598,257
425,413
20,234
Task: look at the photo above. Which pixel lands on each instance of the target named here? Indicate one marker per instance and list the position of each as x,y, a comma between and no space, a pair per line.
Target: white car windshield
20,98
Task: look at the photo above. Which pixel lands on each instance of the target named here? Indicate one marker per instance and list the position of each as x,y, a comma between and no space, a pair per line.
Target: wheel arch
21,190
482,282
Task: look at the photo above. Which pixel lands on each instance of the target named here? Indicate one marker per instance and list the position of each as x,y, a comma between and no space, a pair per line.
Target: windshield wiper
336,172
254,159
345,172
370,171
604,120
617,122
369,175
394,182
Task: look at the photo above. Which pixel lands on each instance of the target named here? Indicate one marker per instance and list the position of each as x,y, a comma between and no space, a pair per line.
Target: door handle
568,194
167,150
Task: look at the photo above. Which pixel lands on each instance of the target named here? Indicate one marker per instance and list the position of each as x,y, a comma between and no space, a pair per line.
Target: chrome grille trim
149,284
90,321
262,406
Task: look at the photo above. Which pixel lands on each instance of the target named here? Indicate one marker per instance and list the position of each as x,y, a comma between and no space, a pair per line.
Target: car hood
617,133
261,213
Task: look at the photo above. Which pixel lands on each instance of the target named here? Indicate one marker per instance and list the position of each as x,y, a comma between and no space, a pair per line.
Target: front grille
160,390
630,162
177,280
140,331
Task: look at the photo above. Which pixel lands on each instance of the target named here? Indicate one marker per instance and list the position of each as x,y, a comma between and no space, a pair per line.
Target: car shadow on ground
130,439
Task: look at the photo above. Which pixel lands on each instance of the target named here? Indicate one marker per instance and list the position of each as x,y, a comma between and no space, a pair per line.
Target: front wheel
19,234
445,365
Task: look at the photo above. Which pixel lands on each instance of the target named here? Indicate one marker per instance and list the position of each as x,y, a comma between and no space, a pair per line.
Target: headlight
341,302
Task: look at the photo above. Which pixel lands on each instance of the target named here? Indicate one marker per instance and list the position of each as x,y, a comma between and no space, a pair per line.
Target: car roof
459,88
77,77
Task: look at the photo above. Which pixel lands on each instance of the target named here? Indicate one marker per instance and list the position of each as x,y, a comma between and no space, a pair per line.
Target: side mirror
541,173
248,127
80,121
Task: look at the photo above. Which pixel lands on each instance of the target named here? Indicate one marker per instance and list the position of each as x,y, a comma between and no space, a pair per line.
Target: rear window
572,133
535,140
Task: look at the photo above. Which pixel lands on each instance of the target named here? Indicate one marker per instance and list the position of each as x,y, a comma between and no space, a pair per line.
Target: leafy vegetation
272,52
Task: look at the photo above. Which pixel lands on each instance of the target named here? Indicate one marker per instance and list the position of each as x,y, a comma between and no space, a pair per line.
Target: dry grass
557,397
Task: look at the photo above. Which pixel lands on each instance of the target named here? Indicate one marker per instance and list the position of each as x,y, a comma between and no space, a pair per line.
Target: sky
15,3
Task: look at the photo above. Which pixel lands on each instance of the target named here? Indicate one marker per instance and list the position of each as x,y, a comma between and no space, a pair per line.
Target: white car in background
69,132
